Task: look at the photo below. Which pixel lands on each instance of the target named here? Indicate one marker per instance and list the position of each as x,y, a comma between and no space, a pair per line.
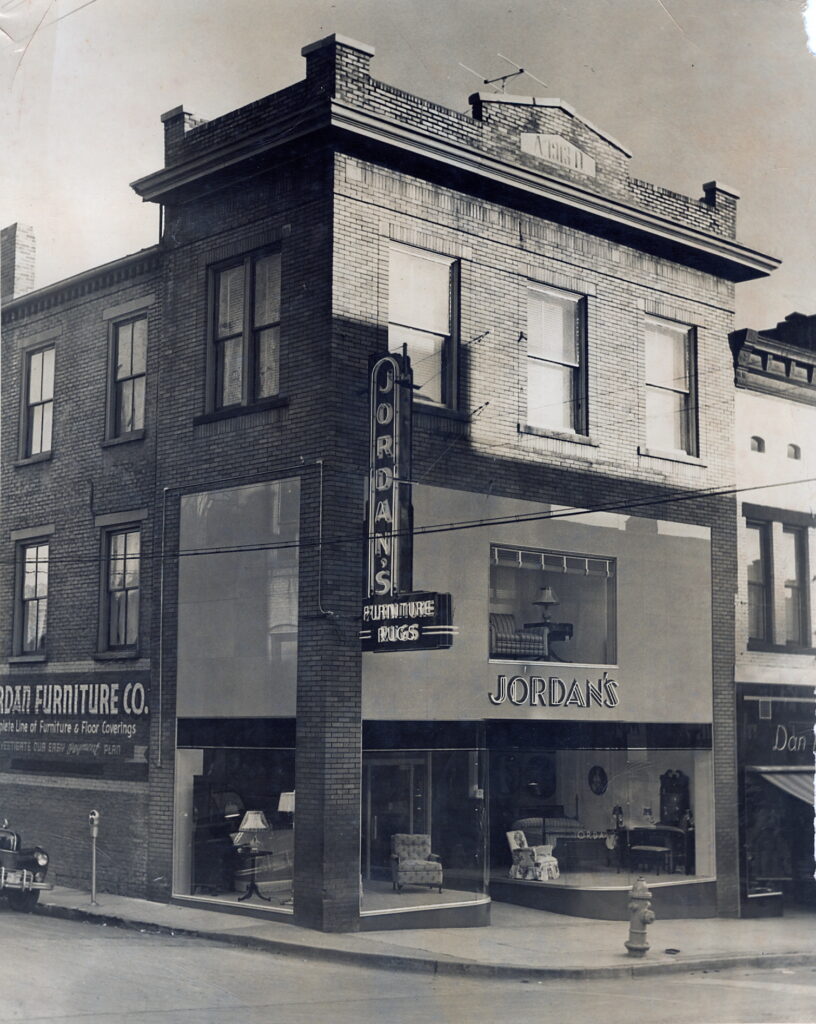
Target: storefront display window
235,820
423,829
552,606
587,817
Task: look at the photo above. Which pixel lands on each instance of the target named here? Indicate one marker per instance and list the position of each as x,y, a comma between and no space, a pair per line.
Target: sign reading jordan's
394,617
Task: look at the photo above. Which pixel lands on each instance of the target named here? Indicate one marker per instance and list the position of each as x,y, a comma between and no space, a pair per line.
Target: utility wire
466,524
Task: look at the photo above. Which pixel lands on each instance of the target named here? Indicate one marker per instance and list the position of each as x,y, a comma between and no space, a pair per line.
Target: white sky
697,89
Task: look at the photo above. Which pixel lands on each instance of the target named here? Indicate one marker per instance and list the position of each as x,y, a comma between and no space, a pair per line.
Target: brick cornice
88,282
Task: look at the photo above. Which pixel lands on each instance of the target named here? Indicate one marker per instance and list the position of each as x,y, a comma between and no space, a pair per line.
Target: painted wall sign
556,150
776,728
71,720
412,622
389,495
552,692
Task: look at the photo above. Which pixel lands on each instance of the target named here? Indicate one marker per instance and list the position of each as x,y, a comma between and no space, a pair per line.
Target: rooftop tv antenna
503,78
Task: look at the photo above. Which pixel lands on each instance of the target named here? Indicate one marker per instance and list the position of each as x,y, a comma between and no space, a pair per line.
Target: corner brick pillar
329,706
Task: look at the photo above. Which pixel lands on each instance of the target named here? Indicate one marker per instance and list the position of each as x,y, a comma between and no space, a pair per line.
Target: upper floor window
122,589
552,606
776,562
422,308
671,420
33,598
128,377
246,330
760,598
556,388
757,443
39,405
794,451
792,573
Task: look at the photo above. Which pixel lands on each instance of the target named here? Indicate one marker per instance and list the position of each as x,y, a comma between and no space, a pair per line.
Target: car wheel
23,902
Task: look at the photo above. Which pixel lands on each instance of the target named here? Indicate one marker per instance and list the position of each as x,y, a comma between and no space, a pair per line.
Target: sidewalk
519,942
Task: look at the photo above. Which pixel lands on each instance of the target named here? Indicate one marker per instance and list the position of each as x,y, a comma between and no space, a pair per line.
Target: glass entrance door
395,799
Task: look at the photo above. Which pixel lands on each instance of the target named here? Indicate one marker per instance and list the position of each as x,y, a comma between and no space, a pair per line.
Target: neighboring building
203,507
776,631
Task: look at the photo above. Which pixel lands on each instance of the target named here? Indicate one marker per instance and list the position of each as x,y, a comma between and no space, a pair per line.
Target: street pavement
518,942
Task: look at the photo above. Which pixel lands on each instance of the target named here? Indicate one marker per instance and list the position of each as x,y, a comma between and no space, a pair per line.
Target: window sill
234,411
111,442
771,648
682,457
129,655
557,435
28,659
442,412
33,459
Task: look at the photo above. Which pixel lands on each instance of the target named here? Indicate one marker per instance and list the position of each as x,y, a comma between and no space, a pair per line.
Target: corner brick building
187,478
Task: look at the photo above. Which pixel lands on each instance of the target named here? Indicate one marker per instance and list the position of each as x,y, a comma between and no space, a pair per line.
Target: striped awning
798,783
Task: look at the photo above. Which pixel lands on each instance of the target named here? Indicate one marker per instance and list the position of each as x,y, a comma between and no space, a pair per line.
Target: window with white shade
32,601
127,387
671,421
39,403
422,299
556,391
245,354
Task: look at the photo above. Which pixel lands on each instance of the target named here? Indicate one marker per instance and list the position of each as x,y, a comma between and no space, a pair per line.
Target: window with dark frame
122,588
128,383
39,404
792,574
246,330
422,309
760,600
33,600
671,420
556,384
776,560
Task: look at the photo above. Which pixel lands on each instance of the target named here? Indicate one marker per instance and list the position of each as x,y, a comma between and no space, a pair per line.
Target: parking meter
93,823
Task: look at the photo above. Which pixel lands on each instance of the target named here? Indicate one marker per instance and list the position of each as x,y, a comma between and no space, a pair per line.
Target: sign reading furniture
394,617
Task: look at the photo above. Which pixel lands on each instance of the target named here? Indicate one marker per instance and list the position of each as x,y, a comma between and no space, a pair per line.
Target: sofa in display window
412,862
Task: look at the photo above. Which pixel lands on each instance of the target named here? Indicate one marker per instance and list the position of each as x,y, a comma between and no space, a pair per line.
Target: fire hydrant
640,915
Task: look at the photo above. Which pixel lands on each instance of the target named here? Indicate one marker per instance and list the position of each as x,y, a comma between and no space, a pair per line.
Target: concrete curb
422,964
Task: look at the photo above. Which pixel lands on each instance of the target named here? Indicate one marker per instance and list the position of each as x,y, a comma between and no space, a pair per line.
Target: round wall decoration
597,780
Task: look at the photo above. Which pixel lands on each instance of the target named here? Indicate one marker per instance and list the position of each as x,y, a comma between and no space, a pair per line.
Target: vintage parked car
22,870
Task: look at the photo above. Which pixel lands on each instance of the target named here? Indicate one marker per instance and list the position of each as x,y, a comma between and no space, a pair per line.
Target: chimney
17,251
337,66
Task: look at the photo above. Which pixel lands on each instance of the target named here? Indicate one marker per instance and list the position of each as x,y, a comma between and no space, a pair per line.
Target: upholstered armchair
412,862
531,863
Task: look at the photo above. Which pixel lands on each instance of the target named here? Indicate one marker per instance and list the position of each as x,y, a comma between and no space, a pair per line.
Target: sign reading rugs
395,618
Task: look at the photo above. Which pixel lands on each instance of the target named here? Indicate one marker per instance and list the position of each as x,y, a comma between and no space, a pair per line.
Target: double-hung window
556,385
122,588
33,597
671,417
39,402
422,300
128,366
776,561
246,330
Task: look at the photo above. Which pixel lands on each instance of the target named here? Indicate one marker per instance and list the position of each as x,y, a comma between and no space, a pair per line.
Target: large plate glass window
421,313
556,393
